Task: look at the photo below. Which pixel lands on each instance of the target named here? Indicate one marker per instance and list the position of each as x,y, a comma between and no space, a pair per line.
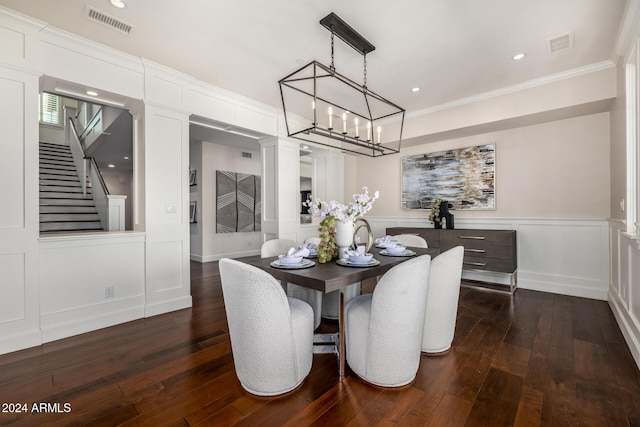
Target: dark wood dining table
329,277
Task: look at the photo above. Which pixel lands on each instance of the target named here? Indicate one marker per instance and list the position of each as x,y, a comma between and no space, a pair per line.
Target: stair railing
78,156
111,208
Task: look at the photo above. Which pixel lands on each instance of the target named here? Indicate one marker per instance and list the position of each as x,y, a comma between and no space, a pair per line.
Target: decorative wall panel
238,202
464,177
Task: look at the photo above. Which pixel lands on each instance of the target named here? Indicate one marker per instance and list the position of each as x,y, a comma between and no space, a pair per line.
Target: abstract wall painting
464,177
238,202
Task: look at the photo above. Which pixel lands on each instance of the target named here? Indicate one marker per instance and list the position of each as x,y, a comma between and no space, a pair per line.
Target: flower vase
344,237
437,224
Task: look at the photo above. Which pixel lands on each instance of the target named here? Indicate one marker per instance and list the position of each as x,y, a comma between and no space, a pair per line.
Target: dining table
334,276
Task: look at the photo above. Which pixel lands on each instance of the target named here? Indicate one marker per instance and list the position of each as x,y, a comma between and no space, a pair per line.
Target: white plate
348,263
407,252
305,263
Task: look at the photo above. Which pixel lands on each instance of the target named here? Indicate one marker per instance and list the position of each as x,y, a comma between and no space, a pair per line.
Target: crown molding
628,30
76,43
552,78
21,19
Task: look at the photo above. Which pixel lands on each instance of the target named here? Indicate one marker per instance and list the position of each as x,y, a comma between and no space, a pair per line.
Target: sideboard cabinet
484,250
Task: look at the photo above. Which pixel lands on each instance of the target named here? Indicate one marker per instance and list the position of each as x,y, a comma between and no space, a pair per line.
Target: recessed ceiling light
415,89
91,93
518,56
126,158
111,166
118,3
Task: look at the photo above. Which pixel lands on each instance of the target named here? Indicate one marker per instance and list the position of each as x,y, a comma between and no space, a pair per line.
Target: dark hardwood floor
527,360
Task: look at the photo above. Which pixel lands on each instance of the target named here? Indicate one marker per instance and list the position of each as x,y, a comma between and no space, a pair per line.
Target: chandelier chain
333,67
364,85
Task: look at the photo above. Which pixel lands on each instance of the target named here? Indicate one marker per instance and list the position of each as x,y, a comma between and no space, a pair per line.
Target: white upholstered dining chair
411,240
384,329
271,334
312,297
442,301
313,240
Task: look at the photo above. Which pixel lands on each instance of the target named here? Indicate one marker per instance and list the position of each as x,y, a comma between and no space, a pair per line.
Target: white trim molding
624,284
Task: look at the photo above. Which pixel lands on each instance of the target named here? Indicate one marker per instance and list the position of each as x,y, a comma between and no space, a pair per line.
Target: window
50,109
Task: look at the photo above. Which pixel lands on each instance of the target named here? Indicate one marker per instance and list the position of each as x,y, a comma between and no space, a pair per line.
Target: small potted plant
439,213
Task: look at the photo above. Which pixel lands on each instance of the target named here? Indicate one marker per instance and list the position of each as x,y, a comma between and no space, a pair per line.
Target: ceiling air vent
563,41
245,154
108,20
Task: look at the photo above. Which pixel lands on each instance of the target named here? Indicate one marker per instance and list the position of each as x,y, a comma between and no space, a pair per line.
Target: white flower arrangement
362,203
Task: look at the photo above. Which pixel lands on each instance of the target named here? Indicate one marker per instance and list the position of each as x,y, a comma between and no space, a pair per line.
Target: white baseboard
26,339
80,320
564,285
630,330
218,257
167,306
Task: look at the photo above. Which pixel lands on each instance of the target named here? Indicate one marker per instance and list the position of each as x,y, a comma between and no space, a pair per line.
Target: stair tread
63,207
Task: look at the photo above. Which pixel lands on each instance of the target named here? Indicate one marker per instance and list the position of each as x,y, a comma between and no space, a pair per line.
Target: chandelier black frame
306,81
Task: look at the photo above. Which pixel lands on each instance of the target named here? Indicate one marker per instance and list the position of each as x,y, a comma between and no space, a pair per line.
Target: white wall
121,184
553,170
195,194
624,280
220,157
75,272
19,227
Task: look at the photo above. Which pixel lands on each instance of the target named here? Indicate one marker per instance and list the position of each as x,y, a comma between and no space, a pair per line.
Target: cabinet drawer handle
478,251
479,264
472,237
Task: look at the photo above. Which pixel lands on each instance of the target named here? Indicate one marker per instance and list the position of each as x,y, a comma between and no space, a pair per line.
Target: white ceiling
451,49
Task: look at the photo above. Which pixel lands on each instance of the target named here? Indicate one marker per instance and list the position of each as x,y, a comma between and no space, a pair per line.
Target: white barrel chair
312,297
314,240
442,301
411,240
384,329
271,335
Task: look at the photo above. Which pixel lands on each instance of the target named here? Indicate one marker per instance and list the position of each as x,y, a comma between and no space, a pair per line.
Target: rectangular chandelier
324,107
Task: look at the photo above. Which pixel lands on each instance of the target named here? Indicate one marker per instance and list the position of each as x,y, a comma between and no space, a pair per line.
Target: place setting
294,259
390,247
358,258
312,248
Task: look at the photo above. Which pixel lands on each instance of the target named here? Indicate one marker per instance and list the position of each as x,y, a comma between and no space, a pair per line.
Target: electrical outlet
109,292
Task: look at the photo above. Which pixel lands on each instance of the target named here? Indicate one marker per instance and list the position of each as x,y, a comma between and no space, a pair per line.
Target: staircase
62,206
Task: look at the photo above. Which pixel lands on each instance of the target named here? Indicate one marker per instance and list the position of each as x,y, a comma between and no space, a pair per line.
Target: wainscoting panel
12,152
12,303
90,282
624,288
562,256
19,226
167,271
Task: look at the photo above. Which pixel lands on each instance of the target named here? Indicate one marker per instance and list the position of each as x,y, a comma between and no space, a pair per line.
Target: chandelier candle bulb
313,106
344,123
368,131
379,134
355,122
330,112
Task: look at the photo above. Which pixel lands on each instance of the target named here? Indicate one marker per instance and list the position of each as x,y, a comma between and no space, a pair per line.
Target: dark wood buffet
484,250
